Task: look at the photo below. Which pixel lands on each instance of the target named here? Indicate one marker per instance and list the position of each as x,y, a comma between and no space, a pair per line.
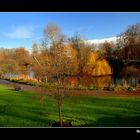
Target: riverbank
72,92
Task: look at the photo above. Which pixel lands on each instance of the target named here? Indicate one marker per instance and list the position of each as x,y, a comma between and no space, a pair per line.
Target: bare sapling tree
57,65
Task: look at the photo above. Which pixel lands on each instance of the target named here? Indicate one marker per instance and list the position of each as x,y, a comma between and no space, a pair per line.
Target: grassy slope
20,108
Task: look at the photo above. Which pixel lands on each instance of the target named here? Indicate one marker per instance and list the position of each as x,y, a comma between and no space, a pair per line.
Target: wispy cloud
21,32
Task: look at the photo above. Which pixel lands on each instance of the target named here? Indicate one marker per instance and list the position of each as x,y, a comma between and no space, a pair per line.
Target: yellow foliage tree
97,66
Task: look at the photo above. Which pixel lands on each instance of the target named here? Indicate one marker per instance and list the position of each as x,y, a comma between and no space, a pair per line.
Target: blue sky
21,29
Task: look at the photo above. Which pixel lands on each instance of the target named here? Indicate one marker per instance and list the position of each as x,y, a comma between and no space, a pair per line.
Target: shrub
112,87
93,88
100,88
119,88
28,81
131,89
82,87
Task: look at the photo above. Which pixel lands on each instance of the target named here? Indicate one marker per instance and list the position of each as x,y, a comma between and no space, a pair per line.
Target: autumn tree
130,72
8,64
107,49
40,57
57,63
129,41
83,51
23,61
35,49
97,66
53,35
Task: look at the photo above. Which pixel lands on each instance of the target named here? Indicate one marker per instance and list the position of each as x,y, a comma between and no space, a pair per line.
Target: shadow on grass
32,116
115,122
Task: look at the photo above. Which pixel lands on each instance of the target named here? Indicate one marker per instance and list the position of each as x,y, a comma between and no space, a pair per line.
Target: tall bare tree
129,41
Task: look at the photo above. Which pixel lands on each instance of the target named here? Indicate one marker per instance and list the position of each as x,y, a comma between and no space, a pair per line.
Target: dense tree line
58,55
14,60
126,49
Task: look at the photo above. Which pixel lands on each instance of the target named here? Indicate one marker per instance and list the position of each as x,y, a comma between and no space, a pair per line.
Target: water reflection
98,81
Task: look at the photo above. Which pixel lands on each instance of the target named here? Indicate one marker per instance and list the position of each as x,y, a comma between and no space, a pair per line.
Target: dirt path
73,92
24,86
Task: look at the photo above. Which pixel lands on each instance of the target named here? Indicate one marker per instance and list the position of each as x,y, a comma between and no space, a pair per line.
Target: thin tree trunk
125,83
59,98
131,81
136,82
60,109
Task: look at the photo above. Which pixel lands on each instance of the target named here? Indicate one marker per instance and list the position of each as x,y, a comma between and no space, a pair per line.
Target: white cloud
97,41
21,32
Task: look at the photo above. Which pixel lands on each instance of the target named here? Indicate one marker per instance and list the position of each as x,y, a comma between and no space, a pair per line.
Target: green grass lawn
24,109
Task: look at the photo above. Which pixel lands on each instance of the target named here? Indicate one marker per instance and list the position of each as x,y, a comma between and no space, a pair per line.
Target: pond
98,81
